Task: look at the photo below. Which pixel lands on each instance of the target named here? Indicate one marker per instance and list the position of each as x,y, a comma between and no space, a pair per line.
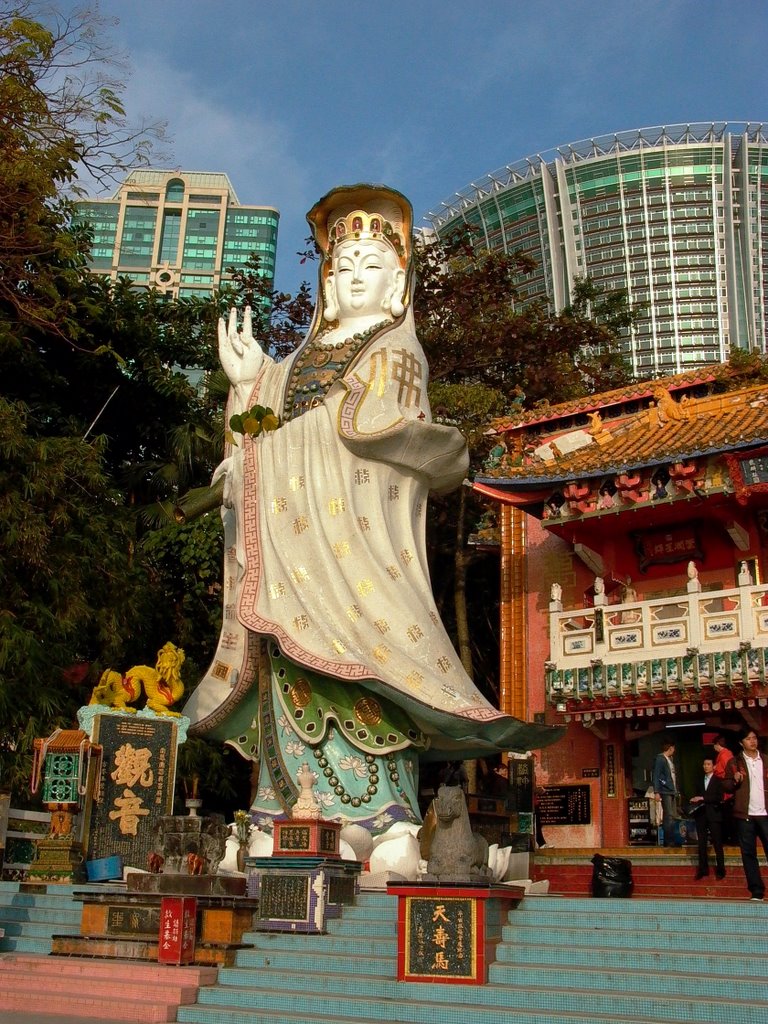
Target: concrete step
545,939
417,1013
293,961
623,915
320,980
325,945
101,990
359,926
725,911
144,973
623,935
458,1004
520,976
69,912
84,1006
9,900
66,986
620,958
604,979
41,929
671,876
24,944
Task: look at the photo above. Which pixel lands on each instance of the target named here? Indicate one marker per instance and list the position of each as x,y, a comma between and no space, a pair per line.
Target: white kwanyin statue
332,649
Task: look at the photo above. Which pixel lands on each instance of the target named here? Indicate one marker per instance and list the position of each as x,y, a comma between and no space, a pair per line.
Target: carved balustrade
686,643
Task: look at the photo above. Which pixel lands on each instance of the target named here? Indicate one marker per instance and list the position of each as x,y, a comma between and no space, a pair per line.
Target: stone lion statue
161,685
456,853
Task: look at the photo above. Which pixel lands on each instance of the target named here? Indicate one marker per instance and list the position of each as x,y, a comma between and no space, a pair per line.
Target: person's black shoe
701,873
720,874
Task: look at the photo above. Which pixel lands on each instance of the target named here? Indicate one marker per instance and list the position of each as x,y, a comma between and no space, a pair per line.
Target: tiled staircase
99,990
573,961
31,914
656,872
562,959
32,983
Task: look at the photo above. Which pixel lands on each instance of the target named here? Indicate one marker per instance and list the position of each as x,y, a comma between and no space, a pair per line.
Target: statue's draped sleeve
384,416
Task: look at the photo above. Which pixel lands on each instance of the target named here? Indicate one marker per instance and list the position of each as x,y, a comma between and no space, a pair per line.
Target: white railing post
746,616
693,588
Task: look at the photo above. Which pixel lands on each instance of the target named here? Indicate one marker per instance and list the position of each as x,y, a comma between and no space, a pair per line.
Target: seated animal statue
116,691
162,685
155,863
195,864
456,853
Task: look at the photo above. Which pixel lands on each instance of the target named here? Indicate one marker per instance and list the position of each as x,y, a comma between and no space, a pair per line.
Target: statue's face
366,275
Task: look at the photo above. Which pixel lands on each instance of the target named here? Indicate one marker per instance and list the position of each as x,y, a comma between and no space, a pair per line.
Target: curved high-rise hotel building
677,215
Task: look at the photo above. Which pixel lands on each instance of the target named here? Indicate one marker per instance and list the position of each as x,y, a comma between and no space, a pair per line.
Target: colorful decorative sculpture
65,763
161,685
332,645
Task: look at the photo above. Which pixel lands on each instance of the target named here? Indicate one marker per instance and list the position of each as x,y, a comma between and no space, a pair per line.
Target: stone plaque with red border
449,933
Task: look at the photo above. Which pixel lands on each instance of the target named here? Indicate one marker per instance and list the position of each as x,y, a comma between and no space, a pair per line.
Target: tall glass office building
178,231
677,215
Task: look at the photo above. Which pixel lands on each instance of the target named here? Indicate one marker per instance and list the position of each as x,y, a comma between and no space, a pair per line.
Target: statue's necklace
318,365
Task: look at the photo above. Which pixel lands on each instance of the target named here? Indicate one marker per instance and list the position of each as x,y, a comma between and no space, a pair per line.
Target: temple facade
633,531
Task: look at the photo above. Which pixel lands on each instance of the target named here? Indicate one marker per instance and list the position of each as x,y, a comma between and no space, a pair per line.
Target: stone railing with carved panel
687,642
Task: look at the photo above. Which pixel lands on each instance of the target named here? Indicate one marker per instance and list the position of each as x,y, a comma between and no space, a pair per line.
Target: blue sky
292,97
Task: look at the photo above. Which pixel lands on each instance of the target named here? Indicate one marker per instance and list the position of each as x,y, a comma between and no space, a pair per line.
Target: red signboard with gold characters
448,933
178,915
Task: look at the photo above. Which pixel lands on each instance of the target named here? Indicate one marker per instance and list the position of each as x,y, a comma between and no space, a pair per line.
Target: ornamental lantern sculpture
63,762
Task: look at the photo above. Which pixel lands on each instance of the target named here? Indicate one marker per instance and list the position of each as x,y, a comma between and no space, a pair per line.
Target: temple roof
544,413
663,431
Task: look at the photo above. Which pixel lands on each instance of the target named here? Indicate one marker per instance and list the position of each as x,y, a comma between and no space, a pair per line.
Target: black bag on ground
611,876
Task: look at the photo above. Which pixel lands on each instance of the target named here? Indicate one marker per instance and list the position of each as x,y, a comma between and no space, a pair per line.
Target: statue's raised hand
240,353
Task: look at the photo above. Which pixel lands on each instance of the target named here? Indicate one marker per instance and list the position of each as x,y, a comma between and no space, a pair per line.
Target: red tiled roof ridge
635,391
728,420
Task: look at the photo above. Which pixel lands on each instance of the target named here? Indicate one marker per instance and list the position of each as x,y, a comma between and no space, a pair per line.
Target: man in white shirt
747,776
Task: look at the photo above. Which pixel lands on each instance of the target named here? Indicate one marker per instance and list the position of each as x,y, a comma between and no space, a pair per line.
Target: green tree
98,417
63,566
489,354
60,116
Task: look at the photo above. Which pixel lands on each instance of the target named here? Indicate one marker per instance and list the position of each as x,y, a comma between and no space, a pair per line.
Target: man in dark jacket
666,790
747,777
708,812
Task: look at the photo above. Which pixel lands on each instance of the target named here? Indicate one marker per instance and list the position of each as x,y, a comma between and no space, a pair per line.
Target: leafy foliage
183,565
59,114
280,320
98,417
64,569
477,334
252,422
490,355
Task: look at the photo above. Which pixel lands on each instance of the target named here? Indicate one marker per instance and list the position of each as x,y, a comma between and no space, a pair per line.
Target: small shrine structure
633,529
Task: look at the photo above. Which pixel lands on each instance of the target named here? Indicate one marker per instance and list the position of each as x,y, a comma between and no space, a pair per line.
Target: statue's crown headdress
362,211
361,224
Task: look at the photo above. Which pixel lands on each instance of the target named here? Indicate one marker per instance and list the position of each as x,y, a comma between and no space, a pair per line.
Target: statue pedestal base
57,861
298,894
129,924
449,933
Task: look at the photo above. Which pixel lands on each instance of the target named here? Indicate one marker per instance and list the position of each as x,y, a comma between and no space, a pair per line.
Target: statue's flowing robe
326,558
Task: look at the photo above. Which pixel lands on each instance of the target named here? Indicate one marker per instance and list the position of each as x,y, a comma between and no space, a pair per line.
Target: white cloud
206,134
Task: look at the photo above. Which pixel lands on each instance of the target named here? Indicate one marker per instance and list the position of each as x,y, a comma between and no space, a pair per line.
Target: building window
169,240
174,191
138,236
